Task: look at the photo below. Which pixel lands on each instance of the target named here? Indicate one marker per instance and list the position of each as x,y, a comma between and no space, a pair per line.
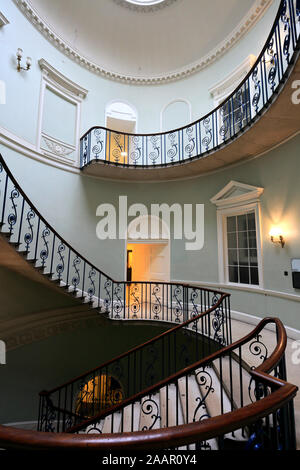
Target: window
241,247
239,241
235,113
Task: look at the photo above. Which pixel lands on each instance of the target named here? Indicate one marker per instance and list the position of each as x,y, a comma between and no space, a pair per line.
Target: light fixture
277,236
124,154
19,58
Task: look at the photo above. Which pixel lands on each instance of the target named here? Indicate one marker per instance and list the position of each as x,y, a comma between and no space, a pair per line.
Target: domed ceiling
145,40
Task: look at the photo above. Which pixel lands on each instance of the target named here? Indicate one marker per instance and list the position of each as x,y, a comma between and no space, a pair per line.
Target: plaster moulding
222,89
144,8
235,193
3,20
60,80
248,22
57,147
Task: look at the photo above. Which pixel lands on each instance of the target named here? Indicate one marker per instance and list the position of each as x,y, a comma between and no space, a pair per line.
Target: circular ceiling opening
145,2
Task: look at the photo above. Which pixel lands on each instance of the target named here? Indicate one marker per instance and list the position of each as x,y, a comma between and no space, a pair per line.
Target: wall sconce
277,236
19,58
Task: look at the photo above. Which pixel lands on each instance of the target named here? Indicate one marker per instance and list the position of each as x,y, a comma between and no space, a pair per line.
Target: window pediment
235,193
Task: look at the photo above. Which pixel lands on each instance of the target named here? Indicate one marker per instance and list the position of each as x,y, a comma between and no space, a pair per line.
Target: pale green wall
21,296
20,113
46,364
69,203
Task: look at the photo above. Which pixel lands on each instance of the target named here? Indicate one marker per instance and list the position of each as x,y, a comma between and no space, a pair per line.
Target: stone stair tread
196,409
131,418
171,414
112,423
150,413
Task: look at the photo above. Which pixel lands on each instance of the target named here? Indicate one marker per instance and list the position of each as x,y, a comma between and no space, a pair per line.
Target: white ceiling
136,43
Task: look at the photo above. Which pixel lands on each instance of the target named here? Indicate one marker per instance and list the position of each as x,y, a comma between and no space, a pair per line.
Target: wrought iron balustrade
218,127
195,311
227,381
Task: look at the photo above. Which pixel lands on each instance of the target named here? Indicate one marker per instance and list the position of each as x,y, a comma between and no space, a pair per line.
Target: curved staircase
189,387
186,388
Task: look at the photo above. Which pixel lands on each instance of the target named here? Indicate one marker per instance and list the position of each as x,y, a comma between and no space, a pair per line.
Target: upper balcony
245,120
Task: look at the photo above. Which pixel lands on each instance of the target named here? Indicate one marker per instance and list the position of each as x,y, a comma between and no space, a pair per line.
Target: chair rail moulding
55,147
255,13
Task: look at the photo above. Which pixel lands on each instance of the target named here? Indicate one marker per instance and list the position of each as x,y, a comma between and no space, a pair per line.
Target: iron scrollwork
136,154
98,147
178,309
218,320
28,237
150,407
206,141
61,264
12,217
45,251
155,153
172,152
156,305
135,306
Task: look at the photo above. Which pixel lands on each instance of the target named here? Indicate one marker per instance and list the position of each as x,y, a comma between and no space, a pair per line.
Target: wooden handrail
265,367
12,438
282,393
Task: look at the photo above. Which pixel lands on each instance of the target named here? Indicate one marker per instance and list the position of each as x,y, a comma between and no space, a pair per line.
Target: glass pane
243,257
251,221
232,240
252,239
254,276
232,257
233,274
231,224
242,223
244,275
243,240
253,258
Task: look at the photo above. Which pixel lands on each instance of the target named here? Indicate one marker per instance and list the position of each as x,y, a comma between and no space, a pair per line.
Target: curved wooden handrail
282,394
140,346
265,367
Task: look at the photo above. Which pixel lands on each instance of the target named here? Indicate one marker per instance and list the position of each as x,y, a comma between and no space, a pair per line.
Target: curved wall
69,201
23,88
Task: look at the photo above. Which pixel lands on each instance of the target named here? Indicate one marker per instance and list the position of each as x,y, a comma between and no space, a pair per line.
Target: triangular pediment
235,193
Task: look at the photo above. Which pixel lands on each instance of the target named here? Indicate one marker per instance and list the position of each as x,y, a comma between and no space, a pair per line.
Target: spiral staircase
190,387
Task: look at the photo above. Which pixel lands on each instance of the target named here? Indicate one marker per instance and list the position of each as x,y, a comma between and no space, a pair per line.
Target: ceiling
144,41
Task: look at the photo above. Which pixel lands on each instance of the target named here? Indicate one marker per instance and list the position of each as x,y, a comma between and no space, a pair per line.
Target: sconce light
124,154
277,236
19,58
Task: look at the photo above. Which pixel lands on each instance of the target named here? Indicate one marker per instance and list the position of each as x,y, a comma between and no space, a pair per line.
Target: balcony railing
217,128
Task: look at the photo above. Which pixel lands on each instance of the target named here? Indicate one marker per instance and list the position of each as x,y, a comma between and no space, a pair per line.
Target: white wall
20,113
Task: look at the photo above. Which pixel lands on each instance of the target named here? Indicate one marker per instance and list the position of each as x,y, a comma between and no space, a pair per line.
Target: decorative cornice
3,20
227,85
246,194
37,327
67,85
144,8
249,20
